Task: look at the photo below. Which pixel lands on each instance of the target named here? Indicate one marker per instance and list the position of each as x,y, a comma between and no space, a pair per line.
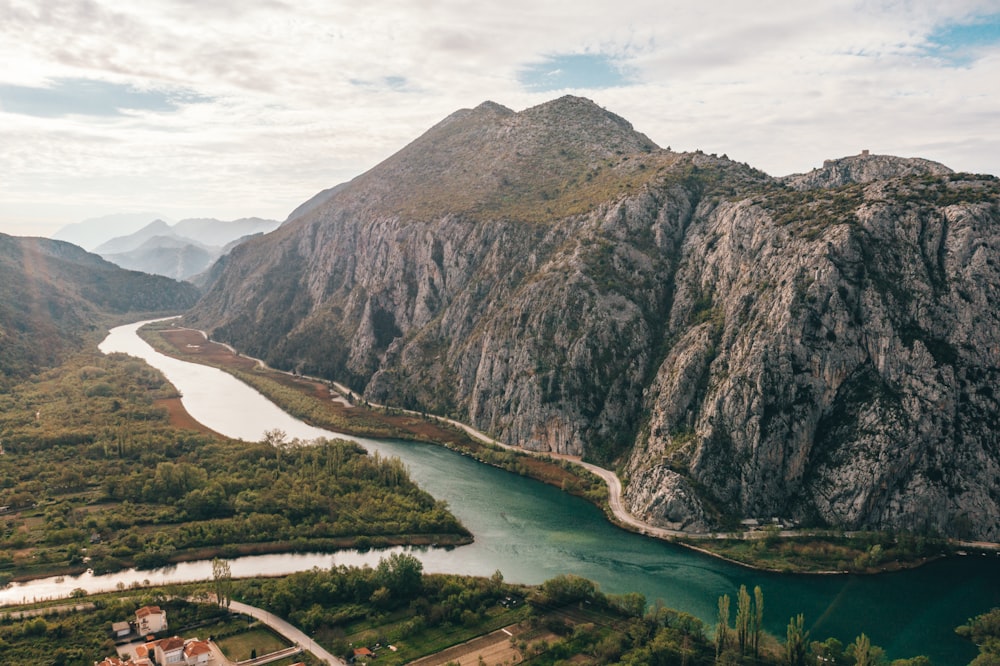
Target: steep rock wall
823,347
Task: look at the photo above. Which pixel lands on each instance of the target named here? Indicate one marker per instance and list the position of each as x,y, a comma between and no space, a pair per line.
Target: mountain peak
492,107
864,168
482,160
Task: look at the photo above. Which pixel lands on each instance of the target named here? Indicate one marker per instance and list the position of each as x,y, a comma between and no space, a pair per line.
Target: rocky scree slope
737,345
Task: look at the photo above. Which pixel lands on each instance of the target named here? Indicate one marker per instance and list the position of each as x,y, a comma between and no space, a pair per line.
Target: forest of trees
984,631
566,619
398,605
91,462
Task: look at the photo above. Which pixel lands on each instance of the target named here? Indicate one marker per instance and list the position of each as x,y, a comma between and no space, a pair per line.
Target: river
531,532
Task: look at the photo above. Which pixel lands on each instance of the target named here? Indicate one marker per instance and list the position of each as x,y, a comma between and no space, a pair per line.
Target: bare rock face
737,345
864,168
838,378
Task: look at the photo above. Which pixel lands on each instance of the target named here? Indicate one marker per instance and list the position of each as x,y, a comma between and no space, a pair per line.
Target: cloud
241,108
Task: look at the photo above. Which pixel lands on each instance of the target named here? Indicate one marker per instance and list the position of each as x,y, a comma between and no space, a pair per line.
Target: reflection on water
532,532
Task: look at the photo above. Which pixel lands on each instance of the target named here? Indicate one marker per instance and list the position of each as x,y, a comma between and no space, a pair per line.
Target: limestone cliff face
844,372
740,346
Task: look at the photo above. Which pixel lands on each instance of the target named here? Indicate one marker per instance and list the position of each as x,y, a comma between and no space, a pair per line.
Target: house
121,629
197,652
168,651
150,620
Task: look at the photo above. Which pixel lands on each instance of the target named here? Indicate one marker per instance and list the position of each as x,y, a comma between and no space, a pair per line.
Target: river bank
336,407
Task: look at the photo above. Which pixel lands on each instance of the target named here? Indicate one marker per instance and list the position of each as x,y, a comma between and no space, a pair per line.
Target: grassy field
257,641
372,631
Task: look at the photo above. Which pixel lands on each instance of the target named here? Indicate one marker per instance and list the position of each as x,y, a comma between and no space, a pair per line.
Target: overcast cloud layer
237,108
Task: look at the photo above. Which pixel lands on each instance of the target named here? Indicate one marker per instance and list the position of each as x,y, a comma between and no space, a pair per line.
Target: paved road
614,484
287,630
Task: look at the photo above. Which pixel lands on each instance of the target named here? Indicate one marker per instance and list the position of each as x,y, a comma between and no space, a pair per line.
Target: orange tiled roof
171,644
148,610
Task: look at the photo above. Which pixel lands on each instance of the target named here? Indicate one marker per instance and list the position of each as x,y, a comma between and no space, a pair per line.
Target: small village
139,647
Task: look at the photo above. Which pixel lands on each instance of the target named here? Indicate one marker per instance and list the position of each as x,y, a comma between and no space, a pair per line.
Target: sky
240,108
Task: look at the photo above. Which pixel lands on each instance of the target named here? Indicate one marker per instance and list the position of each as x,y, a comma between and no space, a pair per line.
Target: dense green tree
722,626
743,619
796,641
564,589
984,631
861,650
222,579
631,604
758,619
401,574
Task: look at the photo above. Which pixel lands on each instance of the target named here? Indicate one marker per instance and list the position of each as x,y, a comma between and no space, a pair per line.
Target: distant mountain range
91,232
822,347
53,294
182,250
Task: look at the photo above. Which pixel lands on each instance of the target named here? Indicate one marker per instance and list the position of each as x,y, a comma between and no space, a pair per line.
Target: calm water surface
532,532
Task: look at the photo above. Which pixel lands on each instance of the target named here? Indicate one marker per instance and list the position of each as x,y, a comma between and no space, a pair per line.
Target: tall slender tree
796,640
743,618
223,578
722,630
758,619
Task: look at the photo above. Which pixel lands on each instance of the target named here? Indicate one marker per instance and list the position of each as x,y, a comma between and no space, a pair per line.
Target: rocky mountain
53,294
822,347
183,250
864,168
